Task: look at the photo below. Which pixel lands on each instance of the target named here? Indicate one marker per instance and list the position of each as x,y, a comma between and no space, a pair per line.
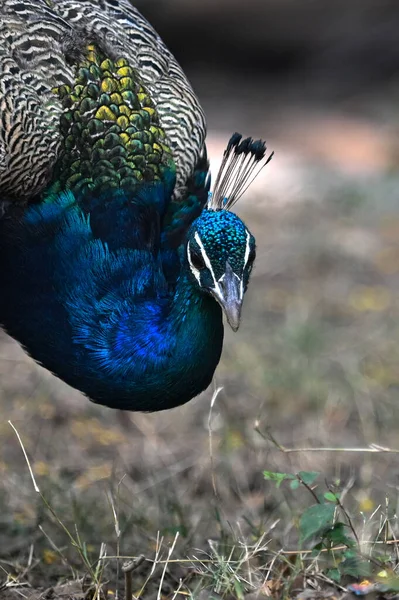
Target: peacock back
59,59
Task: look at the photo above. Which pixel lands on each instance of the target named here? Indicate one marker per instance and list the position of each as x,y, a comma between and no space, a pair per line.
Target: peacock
116,261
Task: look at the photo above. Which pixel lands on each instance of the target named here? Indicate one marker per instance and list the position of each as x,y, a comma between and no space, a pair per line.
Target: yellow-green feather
110,128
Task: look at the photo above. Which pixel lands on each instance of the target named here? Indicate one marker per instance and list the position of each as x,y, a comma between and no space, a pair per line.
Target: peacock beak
229,294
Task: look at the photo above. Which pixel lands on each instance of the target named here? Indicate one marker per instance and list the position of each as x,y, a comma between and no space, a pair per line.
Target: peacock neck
164,351
105,321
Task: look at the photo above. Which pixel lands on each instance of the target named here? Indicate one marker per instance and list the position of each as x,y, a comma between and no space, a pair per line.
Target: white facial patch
193,270
207,262
246,257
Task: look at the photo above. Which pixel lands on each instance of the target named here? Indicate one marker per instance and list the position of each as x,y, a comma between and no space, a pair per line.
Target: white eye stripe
246,258
247,249
207,262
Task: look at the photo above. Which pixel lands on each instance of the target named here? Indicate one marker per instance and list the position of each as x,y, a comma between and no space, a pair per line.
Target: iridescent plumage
115,262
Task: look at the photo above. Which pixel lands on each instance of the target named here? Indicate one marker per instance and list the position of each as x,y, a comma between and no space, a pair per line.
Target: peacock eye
251,257
197,260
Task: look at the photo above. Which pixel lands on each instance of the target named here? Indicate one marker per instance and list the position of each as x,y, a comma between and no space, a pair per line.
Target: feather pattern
41,46
115,266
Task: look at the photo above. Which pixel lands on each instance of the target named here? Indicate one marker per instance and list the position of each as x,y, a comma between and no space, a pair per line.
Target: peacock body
116,263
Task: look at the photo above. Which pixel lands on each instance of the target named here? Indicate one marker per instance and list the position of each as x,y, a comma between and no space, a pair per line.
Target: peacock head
220,248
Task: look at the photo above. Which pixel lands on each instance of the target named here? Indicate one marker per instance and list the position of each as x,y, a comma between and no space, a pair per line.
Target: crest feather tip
243,159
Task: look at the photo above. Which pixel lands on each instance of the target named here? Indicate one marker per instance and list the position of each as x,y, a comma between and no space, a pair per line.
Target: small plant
328,529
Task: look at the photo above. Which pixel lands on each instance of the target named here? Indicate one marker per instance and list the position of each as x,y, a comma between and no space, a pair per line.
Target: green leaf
334,574
316,521
338,536
278,478
330,497
356,567
294,485
308,477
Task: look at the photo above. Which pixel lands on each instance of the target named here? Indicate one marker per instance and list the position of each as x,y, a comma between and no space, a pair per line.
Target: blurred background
316,360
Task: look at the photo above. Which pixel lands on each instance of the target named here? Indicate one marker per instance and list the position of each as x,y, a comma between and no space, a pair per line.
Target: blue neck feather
94,305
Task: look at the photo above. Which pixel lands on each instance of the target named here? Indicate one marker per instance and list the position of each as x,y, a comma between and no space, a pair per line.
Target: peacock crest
243,160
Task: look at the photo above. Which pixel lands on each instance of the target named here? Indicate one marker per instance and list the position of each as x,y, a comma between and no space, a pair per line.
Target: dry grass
314,365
